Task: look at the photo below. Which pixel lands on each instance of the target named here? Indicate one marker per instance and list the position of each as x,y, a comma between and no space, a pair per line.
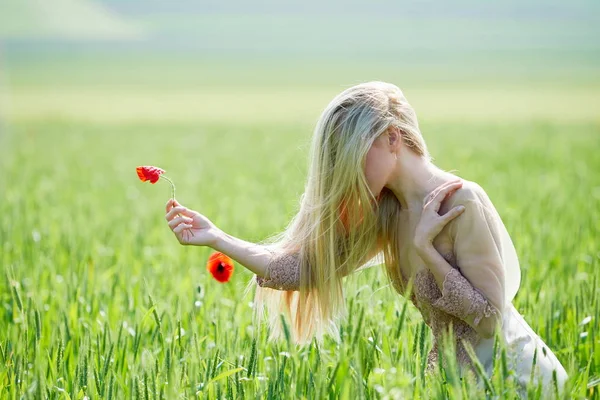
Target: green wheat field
99,300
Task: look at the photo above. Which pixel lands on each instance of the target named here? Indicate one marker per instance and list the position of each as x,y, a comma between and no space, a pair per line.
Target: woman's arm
192,228
275,271
253,256
476,293
279,271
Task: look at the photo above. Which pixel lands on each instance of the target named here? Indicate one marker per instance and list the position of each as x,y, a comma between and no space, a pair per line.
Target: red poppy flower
152,174
220,266
149,173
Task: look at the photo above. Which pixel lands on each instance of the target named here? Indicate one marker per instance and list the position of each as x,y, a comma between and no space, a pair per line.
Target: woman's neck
416,177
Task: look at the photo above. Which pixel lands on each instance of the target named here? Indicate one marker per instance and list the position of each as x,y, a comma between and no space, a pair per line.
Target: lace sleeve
462,300
283,272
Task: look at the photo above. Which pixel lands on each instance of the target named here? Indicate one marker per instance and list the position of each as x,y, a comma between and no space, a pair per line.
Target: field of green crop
99,300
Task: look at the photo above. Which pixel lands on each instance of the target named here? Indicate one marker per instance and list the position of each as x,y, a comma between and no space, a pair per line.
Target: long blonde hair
340,220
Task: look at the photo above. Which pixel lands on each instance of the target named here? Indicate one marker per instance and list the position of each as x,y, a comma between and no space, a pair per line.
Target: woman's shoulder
469,192
476,202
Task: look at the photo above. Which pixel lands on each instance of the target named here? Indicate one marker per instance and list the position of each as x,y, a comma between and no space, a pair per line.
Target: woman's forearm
433,260
253,256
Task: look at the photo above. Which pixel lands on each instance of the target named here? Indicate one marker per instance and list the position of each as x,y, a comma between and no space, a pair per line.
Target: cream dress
482,284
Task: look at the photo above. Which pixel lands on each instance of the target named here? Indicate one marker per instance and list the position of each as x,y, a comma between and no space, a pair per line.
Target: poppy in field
152,174
220,266
149,173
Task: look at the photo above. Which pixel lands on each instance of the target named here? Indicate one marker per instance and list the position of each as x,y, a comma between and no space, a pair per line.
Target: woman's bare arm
273,270
192,228
253,256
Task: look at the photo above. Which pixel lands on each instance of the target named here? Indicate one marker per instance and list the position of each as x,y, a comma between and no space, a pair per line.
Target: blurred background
151,60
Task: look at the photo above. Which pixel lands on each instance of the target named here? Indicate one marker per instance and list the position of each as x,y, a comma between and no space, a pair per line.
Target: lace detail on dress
463,333
284,272
427,295
461,299
425,287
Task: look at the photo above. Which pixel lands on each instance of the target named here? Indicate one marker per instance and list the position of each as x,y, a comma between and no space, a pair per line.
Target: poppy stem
173,193
172,186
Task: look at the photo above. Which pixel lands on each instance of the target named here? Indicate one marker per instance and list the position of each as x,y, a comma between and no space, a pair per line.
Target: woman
372,189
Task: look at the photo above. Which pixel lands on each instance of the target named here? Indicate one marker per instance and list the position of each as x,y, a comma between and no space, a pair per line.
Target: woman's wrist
423,246
427,252
252,256
219,241
434,262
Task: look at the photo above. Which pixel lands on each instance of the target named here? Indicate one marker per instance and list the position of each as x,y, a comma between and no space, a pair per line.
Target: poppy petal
140,174
220,266
149,173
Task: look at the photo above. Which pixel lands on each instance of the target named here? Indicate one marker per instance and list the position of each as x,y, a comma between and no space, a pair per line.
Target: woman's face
381,161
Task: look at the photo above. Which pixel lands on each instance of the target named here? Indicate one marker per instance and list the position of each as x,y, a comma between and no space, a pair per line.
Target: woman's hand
190,227
432,223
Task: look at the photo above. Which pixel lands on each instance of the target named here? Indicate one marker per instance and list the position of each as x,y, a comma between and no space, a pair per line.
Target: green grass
99,299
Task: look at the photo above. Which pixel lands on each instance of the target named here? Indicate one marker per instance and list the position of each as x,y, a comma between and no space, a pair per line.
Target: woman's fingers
437,190
453,213
179,210
441,187
170,204
441,194
181,227
447,186
173,212
176,221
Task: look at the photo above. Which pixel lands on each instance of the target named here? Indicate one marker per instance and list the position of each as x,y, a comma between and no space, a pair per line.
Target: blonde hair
336,192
